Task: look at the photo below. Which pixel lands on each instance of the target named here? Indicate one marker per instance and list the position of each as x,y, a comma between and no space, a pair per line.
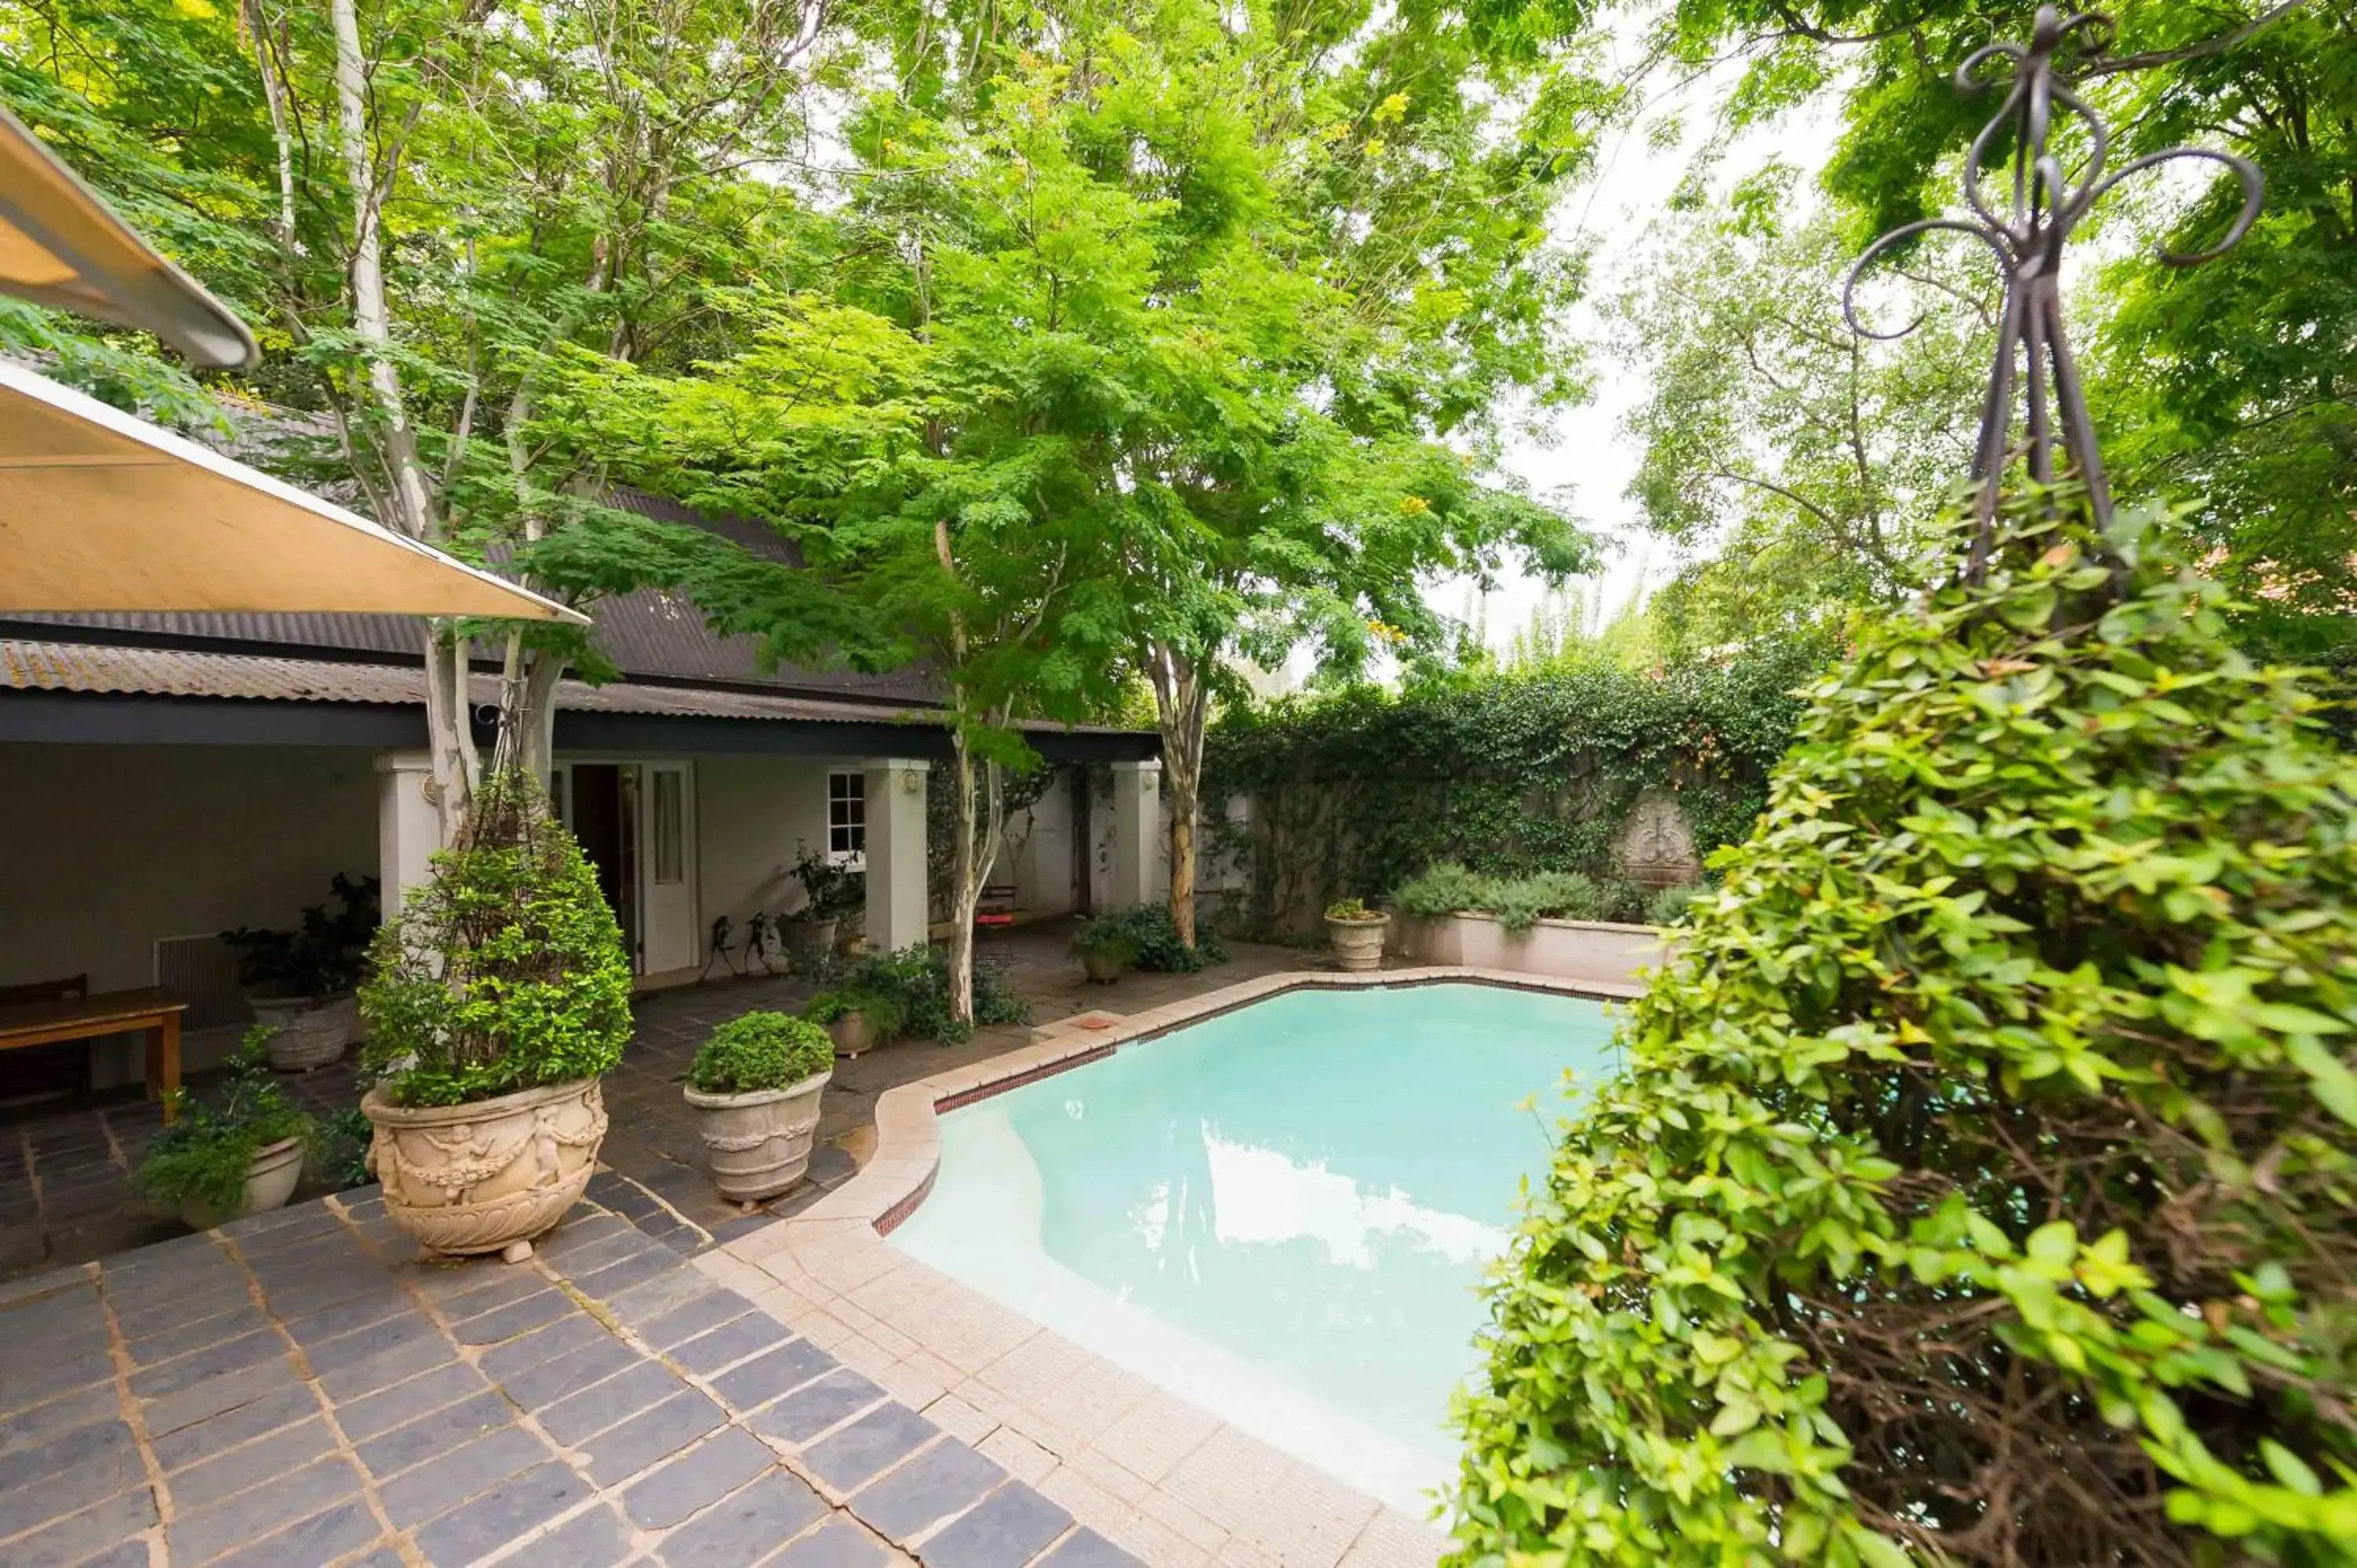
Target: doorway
636,822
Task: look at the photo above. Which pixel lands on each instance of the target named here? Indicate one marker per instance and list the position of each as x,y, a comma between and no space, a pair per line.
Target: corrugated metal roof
27,666
649,632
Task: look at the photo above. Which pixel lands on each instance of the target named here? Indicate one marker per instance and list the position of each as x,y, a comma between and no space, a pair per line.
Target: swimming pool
1281,1213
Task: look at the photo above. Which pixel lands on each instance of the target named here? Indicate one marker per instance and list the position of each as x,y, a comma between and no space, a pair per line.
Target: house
164,777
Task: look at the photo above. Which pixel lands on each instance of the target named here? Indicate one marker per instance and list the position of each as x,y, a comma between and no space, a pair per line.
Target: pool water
1283,1213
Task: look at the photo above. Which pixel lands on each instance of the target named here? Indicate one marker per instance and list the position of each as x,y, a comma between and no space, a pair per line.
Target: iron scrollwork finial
2025,236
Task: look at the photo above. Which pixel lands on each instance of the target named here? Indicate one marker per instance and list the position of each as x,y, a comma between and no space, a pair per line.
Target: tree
1802,464
425,205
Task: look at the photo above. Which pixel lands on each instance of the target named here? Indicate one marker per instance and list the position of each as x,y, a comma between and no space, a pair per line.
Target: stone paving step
298,1388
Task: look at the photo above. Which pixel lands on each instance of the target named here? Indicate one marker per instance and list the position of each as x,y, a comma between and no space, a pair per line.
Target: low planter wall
1566,949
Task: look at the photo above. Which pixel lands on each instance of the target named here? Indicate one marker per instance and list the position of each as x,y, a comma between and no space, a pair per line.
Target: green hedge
1982,1186
1356,792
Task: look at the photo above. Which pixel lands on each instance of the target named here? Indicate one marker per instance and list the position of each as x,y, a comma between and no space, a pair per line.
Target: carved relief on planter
490,1174
1655,844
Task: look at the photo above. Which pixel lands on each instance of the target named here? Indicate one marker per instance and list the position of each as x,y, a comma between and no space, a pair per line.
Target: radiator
204,969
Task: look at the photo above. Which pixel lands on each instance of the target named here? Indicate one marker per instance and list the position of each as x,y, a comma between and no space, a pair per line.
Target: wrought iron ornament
2026,239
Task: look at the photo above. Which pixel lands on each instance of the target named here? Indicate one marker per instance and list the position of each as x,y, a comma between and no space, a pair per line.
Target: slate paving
298,1388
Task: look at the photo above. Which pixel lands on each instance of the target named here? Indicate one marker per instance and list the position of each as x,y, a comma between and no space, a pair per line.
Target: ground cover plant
1981,1186
914,984
1521,902
1159,945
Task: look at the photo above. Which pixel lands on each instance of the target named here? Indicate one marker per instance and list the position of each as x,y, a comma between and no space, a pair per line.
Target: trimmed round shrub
505,970
759,1051
1980,1188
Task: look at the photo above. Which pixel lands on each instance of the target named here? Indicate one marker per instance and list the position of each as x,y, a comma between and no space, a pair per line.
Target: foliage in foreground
916,981
1159,949
1981,1186
205,1153
505,970
760,1050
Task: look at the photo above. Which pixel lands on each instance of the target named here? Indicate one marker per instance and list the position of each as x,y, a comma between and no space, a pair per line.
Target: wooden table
153,1009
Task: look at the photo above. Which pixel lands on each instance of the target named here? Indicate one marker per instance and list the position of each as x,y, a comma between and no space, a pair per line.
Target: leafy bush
757,1051
506,970
829,891
1667,907
1352,909
342,1157
1103,937
886,1017
322,957
1982,1186
1158,947
1519,902
916,980
204,1153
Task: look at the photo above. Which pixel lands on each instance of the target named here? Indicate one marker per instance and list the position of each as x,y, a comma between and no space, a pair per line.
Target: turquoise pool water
1282,1213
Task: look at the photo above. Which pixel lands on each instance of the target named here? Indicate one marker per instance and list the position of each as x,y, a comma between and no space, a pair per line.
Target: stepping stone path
297,1389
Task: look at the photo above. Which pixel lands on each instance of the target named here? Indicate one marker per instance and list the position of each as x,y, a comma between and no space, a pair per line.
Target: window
670,862
846,818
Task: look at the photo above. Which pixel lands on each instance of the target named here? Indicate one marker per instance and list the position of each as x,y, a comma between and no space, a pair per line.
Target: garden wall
1628,776
1597,951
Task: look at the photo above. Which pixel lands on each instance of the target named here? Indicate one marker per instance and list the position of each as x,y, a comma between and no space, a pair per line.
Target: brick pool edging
1144,1468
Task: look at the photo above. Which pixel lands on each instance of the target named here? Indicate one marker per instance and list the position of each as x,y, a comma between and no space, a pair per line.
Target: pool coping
1159,1475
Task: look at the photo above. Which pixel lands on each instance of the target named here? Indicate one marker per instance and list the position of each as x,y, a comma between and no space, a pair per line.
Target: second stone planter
1358,944
759,1144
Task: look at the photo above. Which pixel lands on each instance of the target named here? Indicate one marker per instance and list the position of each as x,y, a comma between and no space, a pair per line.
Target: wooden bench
153,1009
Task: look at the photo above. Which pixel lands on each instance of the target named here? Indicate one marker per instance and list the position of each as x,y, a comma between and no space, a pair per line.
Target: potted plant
754,1087
496,1003
237,1153
1357,933
856,1018
300,982
828,889
1105,948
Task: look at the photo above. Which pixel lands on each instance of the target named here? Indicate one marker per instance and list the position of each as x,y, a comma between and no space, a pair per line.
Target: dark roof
649,633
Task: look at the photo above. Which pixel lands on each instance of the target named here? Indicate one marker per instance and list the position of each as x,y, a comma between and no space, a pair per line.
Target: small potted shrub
1105,948
237,1153
828,892
497,1002
856,1018
300,982
755,1086
1357,933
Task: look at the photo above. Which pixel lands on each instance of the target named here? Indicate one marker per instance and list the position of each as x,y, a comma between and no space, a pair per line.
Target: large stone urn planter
270,1180
1358,944
488,1176
811,939
1103,968
308,1032
759,1144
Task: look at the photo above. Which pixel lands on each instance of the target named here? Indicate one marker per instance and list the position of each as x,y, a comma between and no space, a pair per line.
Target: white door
667,867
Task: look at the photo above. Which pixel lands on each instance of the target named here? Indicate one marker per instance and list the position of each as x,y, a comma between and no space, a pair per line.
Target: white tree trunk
1182,711
448,740
981,823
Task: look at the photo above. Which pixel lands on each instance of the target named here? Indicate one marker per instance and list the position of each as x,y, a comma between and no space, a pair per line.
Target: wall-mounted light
910,781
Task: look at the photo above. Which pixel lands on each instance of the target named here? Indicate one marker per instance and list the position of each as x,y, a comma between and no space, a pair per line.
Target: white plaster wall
1038,856
103,849
1100,844
753,816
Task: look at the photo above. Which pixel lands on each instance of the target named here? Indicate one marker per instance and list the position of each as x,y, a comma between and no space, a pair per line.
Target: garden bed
1600,951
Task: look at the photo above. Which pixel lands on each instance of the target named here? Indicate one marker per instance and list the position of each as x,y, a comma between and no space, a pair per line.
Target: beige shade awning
102,511
61,246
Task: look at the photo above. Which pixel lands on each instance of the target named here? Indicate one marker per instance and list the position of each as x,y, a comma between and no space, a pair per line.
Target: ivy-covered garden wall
1356,792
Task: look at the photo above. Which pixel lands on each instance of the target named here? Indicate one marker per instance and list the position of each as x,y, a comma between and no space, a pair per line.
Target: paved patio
297,1389
65,1193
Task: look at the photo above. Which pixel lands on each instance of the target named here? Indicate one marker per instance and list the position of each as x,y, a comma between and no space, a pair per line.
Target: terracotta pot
307,1031
759,1144
1358,944
851,1034
270,1181
488,1176
1104,968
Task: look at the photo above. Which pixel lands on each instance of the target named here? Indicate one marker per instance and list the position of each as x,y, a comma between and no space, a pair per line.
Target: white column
894,790
408,828
1137,832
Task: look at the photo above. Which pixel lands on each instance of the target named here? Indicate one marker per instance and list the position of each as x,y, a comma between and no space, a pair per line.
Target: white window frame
847,841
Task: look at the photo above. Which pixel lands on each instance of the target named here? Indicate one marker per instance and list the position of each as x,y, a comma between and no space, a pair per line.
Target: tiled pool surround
1143,1468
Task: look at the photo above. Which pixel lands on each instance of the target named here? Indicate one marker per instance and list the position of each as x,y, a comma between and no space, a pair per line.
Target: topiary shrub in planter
1105,947
496,1001
237,1151
1981,1186
754,1087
